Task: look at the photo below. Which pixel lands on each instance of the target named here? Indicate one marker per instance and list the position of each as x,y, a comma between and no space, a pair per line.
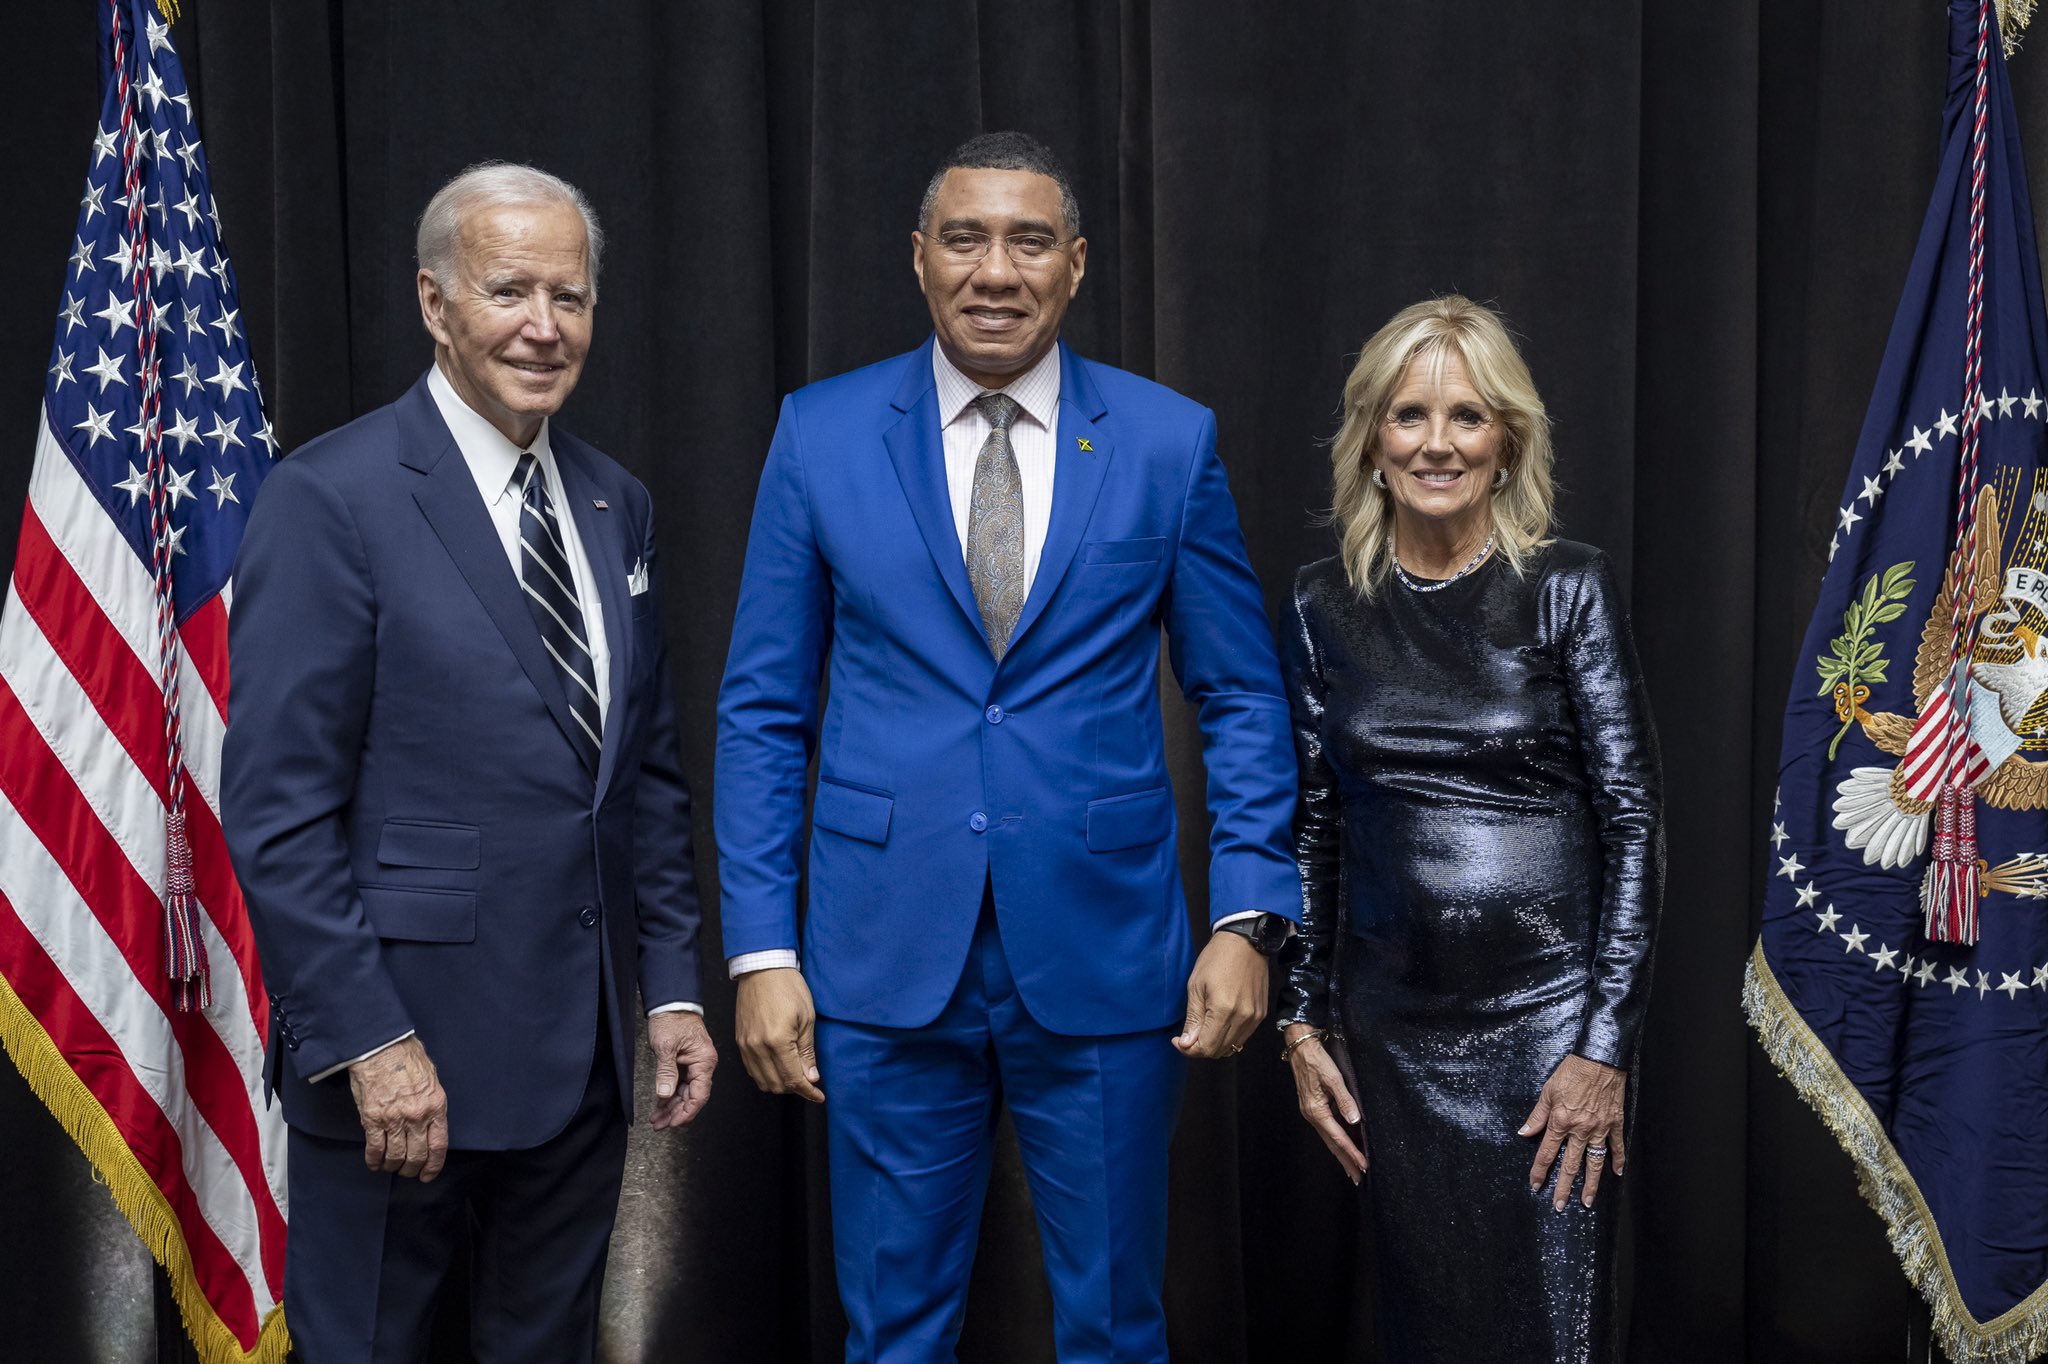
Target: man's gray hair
1005,151
494,184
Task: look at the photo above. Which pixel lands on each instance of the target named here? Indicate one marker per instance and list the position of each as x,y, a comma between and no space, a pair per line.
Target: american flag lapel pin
600,504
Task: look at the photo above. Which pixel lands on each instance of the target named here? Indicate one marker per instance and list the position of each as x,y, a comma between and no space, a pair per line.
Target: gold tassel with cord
135,1193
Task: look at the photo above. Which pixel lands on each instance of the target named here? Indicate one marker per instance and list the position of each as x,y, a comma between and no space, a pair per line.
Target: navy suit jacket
939,769
420,846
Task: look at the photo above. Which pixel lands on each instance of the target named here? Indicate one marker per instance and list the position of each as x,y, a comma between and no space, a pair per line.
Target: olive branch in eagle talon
1854,660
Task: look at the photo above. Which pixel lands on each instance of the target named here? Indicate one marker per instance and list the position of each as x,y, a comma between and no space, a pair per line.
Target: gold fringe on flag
2012,21
135,1193
169,8
2014,1337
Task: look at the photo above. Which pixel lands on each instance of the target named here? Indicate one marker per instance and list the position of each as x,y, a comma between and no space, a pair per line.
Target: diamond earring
1379,480
1500,479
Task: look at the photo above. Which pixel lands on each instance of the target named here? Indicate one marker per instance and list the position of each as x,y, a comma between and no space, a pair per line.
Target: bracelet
1312,1035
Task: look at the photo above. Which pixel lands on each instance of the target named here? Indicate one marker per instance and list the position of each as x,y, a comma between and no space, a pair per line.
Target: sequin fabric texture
1482,863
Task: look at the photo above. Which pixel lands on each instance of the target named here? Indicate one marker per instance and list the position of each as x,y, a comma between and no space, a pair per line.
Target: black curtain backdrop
1697,215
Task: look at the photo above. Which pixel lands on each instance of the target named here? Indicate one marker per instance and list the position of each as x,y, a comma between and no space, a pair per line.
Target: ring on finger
1596,1154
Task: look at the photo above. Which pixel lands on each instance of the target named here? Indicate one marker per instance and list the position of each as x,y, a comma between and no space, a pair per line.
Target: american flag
130,996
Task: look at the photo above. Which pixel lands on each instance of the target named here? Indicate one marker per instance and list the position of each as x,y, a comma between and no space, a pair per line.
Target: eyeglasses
1025,248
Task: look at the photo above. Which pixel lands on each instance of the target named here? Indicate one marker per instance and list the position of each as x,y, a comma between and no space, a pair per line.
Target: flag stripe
98,1059
205,636
126,700
107,564
77,887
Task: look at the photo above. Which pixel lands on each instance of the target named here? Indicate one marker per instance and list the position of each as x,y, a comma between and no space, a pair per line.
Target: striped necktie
551,596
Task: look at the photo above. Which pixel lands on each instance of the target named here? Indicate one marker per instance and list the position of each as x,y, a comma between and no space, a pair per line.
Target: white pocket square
636,581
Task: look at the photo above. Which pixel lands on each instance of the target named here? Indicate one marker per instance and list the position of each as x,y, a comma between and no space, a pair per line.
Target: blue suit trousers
911,1117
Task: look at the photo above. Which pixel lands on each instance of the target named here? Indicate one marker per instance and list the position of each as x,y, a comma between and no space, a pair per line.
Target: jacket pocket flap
1130,821
1144,551
420,915
419,843
853,812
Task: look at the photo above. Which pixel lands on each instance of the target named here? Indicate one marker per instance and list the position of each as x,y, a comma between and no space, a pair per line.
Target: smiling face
997,316
512,328
1439,448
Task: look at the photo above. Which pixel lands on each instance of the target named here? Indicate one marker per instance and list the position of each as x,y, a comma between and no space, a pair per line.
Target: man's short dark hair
1005,151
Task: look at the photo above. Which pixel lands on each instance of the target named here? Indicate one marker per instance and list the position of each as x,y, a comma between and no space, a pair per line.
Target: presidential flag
1901,976
129,991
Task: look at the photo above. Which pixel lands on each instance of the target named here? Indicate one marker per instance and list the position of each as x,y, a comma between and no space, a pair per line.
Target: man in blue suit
452,793
985,537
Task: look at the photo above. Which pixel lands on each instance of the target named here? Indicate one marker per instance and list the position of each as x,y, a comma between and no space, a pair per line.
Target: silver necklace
1414,586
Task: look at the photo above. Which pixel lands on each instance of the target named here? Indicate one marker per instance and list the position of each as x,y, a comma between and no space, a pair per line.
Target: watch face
1268,932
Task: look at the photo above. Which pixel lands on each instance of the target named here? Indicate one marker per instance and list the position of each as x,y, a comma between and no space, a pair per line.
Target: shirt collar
493,459
1037,390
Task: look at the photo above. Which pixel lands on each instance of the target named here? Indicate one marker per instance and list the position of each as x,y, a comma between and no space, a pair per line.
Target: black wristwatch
1267,933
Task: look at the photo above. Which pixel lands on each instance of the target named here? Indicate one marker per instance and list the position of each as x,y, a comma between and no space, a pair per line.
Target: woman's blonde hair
1363,512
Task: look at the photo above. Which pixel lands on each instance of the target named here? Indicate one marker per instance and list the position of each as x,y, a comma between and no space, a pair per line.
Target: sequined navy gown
1481,852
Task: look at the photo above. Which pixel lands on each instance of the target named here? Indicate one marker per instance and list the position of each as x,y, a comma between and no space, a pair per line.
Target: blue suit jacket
938,768
419,843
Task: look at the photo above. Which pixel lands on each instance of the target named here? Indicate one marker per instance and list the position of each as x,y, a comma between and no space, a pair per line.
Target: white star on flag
227,377
136,485
119,313
108,370
98,426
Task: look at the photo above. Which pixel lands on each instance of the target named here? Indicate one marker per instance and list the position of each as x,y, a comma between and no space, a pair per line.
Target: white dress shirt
493,462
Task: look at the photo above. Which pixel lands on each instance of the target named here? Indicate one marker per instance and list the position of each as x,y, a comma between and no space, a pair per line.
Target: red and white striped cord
184,947
1950,893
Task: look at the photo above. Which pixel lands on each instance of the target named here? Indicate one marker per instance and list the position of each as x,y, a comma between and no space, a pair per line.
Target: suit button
977,821
291,1044
994,715
587,916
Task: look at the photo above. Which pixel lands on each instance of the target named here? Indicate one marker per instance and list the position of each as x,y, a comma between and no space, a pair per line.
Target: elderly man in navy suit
986,536
452,792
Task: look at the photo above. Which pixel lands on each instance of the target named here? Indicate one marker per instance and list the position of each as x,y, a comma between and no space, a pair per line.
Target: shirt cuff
677,1008
775,958
1243,914
333,1070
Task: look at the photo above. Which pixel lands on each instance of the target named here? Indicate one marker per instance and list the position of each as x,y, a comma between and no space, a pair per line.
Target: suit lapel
447,496
1081,457
916,449
603,547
